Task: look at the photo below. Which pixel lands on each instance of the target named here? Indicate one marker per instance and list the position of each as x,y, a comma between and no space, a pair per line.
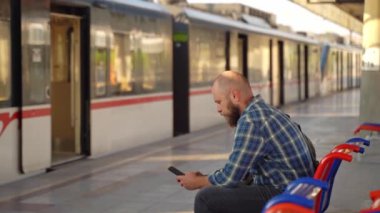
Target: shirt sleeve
247,149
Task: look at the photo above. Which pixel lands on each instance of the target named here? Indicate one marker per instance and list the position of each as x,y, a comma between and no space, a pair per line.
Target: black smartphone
175,171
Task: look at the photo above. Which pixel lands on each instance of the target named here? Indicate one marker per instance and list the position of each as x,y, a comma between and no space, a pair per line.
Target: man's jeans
216,199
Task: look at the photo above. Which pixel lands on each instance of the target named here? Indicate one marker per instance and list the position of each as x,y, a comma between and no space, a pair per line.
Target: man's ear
235,96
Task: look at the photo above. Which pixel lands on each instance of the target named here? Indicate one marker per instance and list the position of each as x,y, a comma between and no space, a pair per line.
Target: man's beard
233,116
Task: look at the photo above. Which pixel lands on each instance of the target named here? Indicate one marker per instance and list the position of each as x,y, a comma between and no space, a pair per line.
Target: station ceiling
352,7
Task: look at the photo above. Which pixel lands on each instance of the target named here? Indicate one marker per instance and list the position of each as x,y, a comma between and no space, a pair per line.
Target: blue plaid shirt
268,146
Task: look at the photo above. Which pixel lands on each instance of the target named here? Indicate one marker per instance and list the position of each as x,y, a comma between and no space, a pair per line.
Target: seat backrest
306,187
314,193
375,196
341,148
358,141
375,206
302,192
287,198
326,171
347,148
288,208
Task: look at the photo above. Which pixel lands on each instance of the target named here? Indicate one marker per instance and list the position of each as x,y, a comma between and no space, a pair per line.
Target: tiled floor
138,181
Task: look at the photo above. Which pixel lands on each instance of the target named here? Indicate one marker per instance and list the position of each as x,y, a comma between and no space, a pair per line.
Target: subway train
87,78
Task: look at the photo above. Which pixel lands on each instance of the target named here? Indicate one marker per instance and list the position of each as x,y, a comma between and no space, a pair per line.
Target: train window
315,72
258,59
100,71
37,68
100,63
313,57
36,34
121,66
151,48
328,72
290,62
154,62
234,51
164,58
140,59
5,83
207,56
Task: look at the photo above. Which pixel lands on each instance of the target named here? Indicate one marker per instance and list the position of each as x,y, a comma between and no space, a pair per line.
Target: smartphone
175,171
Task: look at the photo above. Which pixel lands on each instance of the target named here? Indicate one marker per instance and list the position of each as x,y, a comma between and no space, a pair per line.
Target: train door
66,85
242,54
271,72
275,84
353,69
35,122
357,73
341,71
337,61
337,74
344,70
281,72
306,71
301,72
350,70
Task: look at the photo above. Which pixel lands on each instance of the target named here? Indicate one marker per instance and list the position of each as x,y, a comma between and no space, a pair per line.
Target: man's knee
202,196
202,199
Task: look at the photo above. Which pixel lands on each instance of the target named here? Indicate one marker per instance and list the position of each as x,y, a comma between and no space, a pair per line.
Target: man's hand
193,180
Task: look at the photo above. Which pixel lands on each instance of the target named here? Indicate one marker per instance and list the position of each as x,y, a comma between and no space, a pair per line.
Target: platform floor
137,180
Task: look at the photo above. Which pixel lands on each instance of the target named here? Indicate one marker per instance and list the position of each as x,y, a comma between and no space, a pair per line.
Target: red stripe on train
254,86
117,103
6,119
200,92
31,113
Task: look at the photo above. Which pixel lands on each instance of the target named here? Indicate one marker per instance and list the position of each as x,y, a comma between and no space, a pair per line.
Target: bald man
268,148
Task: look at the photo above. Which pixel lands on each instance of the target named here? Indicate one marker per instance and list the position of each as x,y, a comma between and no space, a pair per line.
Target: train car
86,78
81,78
282,67
341,68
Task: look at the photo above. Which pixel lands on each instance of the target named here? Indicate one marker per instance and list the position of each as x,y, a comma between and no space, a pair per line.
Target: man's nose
219,109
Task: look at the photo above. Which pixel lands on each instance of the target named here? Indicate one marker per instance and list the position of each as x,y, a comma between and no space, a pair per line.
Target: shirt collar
256,99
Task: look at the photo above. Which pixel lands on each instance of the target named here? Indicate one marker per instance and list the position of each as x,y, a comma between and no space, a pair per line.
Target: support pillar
370,83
